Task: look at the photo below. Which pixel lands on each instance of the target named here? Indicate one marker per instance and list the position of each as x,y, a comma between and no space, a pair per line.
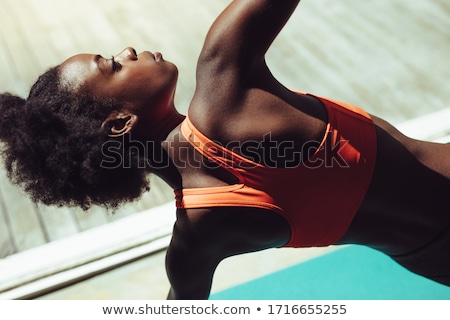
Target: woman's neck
161,164
169,125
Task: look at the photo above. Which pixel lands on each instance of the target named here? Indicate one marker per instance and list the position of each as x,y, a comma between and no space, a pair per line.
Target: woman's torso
406,204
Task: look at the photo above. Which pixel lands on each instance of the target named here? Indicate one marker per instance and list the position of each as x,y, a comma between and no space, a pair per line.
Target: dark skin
406,205
407,202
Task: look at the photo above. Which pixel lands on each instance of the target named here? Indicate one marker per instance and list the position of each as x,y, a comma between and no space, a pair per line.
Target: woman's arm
202,238
239,38
246,29
189,268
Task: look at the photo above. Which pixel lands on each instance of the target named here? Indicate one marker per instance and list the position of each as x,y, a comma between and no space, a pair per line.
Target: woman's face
139,81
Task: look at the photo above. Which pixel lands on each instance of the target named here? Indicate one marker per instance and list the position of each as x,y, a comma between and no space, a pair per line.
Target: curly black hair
53,148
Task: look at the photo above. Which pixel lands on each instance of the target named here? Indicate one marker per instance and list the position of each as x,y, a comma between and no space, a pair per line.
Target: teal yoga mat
352,273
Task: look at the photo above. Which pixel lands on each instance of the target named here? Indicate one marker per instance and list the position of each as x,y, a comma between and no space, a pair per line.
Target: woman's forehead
76,70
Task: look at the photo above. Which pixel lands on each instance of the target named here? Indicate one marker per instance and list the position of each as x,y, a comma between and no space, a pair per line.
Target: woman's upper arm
192,256
190,271
244,31
202,238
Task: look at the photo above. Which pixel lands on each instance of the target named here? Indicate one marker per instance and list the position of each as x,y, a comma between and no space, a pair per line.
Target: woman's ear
119,123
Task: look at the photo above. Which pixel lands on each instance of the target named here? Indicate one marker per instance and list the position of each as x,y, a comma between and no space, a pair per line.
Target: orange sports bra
318,198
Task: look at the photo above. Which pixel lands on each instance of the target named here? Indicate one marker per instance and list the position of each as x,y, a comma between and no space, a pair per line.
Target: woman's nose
127,54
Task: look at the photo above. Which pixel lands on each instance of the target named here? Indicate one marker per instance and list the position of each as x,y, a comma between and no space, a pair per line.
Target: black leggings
431,261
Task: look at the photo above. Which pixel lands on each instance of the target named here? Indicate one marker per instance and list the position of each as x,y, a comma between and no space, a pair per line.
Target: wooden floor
390,57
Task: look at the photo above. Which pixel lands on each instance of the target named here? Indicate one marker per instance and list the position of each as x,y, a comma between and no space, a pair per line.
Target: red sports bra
318,198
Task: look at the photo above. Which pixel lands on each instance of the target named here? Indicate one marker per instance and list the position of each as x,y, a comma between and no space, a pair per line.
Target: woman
254,165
